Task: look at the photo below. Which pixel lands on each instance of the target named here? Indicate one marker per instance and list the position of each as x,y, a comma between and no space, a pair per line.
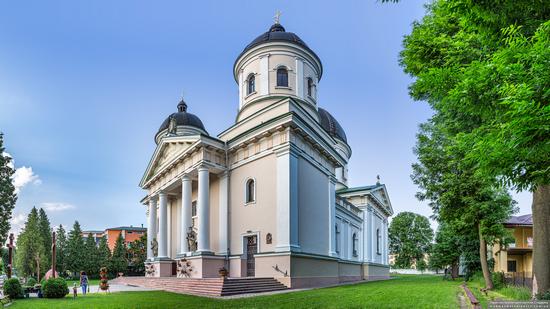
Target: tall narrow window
310,87
251,84
337,243
282,77
250,191
354,240
378,241
194,208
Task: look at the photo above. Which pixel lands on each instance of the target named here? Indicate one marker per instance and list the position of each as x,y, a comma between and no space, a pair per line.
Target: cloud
17,223
22,176
57,206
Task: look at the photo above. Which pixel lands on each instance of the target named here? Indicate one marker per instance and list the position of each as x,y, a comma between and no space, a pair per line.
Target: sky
85,85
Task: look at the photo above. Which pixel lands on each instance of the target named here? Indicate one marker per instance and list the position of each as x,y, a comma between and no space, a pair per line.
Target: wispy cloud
23,175
57,206
17,223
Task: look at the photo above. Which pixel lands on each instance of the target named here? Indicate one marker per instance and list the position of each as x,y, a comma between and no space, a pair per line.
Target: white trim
247,234
246,202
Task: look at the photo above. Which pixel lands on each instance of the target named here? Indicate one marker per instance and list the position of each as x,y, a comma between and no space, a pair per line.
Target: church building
269,196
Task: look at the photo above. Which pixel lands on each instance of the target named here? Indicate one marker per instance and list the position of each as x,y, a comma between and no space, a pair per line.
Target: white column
372,235
169,227
163,225
386,243
287,201
332,216
241,88
152,226
264,74
185,212
203,205
299,78
223,214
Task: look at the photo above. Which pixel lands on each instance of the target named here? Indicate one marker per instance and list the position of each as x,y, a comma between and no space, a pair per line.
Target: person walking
83,282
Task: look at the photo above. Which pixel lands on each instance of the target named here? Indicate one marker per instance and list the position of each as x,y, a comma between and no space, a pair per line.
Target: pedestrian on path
83,282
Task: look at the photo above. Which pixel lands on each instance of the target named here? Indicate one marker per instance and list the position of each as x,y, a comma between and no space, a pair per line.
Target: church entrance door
251,249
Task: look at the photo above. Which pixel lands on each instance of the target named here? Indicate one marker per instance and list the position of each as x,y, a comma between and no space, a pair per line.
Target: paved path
116,288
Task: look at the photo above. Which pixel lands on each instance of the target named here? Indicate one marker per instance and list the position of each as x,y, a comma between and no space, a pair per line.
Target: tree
61,250
46,233
7,192
76,257
410,239
477,60
458,194
119,259
104,253
31,252
445,251
92,254
137,251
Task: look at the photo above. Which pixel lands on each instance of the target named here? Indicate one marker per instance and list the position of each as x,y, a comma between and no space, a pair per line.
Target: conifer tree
92,256
61,250
104,254
75,250
119,259
46,233
7,192
30,256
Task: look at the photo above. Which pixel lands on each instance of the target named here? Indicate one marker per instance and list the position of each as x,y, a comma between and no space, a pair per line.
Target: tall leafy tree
61,250
92,256
46,233
104,253
486,62
119,259
457,194
30,256
410,239
445,251
76,256
7,192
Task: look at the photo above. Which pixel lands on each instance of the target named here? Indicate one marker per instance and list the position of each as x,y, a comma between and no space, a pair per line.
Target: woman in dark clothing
83,282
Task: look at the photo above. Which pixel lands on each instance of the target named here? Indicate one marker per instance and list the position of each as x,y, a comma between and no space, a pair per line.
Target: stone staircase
205,286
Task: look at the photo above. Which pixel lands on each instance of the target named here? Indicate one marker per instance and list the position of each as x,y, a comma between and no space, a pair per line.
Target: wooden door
251,249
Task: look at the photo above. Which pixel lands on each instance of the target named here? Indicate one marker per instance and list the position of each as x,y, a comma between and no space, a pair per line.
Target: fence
519,279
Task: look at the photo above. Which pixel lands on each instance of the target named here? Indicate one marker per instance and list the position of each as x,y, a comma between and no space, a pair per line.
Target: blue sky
84,87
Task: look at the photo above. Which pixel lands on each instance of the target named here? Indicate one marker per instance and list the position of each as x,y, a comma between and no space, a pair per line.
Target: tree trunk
38,270
541,239
454,270
483,260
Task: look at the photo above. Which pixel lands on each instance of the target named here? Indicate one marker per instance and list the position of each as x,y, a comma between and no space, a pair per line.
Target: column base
159,267
200,266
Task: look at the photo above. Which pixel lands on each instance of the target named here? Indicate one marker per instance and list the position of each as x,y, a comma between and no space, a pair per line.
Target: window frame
354,240
277,84
378,241
310,85
251,77
336,241
247,191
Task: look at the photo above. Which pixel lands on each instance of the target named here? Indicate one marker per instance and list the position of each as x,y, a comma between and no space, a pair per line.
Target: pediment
381,195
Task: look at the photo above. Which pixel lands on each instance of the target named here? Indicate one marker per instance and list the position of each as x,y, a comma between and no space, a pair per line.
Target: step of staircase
206,286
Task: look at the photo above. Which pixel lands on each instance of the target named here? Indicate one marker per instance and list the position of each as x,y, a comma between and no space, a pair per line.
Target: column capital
185,177
202,168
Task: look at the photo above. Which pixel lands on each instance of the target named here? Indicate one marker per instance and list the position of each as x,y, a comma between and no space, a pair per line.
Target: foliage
410,238
92,254
61,250
7,191
119,259
483,68
55,288
30,253
46,236
137,251
444,251
76,256
104,254
31,281
544,296
499,280
13,288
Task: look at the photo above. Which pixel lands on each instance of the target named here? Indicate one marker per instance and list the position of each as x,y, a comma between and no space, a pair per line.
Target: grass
424,291
504,293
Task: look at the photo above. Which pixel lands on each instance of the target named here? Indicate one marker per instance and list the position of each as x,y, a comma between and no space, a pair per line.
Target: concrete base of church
163,268
206,266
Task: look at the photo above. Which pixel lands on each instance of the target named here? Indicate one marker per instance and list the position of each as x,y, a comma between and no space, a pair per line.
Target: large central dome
277,33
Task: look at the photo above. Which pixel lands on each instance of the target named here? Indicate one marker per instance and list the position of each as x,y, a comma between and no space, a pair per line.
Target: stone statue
192,240
172,125
155,247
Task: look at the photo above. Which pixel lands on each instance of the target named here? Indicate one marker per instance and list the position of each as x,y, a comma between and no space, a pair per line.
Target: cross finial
377,179
277,16
182,94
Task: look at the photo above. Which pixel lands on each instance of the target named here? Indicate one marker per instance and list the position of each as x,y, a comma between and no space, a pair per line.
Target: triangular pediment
381,195
166,152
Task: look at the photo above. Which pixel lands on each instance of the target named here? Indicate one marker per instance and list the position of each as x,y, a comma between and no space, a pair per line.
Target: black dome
183,118
277,33
331,125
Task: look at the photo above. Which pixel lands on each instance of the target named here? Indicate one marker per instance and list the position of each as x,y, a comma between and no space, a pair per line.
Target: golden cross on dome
277,16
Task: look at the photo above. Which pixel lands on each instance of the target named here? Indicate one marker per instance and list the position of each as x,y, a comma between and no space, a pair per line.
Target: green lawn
401,292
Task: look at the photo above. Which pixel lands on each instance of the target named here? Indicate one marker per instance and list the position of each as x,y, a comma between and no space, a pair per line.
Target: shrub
55,288
499,280
12,288
31,281
544,296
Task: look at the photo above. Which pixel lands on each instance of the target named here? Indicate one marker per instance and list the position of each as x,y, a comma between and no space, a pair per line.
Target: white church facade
269,196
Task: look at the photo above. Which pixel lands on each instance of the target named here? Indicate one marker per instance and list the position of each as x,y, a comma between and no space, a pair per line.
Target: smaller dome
182,118
331,125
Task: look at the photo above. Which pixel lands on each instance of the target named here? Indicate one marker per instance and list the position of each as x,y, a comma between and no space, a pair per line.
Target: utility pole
53,254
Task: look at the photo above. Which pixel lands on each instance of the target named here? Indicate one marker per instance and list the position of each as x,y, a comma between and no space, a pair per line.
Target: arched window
250,191
378,241
354,240
282,77
310,87
251,84
337,243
